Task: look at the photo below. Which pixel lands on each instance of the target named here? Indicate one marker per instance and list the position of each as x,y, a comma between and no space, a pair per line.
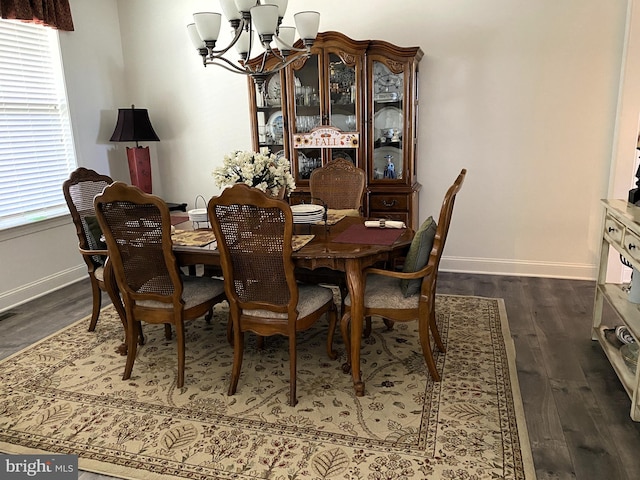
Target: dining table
331,247
346,245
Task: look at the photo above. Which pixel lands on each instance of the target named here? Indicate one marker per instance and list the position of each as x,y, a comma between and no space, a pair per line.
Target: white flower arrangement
264,172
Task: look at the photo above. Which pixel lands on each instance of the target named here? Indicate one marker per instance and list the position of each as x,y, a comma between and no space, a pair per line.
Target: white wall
37,259
522,93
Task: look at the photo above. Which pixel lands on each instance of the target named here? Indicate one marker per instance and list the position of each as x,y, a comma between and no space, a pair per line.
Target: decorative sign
326,137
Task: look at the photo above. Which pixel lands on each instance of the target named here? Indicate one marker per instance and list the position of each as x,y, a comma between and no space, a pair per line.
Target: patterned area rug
65,394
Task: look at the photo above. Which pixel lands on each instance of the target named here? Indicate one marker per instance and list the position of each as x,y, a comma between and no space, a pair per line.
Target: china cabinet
352,99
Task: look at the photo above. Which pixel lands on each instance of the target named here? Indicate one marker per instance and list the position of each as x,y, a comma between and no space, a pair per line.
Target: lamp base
140,167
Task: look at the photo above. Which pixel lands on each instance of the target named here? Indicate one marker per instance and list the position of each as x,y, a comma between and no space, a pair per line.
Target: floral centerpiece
264,172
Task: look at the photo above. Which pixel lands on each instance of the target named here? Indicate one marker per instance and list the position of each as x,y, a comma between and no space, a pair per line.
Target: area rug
65,394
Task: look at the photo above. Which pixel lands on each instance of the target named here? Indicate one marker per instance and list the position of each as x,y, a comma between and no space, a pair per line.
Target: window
36,144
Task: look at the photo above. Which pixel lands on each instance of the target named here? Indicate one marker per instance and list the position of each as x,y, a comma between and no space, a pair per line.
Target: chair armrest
91,253
401,275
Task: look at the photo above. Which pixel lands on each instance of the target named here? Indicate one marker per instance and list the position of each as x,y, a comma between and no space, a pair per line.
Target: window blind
36,144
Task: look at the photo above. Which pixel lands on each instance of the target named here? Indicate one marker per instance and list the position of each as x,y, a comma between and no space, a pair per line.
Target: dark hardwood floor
577,411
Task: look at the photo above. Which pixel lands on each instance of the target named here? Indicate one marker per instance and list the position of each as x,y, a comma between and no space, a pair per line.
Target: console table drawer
387,202
613,229
631,245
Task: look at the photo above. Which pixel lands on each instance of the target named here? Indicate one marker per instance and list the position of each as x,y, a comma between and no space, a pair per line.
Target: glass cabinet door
388,132
271,115
342,103
307,114
325,88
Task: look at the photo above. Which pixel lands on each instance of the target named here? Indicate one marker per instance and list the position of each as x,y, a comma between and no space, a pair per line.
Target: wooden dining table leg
355,283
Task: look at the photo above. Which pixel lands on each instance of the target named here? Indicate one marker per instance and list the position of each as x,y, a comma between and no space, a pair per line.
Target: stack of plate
306,213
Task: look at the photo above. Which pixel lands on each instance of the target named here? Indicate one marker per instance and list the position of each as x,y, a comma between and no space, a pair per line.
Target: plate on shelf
384,97
274,90
387,117
275,125
335,154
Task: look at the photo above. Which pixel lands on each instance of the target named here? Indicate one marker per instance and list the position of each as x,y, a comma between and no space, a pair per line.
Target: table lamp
134,126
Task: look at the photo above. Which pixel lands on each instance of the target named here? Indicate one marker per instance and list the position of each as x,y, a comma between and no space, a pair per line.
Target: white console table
621,232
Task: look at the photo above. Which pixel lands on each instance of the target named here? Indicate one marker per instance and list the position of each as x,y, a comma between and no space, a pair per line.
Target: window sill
33,228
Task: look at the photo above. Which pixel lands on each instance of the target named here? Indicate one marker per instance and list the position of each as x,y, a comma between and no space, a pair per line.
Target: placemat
332,219
299,241
200,238
374,236
193,238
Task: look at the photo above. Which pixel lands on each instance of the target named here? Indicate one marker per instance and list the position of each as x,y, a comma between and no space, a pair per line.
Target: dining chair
254,235
410,294
79,191
137,230
340,186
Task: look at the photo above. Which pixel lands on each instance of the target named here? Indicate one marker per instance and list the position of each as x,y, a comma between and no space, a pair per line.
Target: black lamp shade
133,126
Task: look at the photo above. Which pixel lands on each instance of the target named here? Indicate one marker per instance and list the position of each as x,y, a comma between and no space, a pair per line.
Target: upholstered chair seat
196,290
310,299
385,292
99,273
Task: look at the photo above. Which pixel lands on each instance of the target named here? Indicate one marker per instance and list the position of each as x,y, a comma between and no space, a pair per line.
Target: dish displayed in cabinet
274,91
387,117
341,154
387,97
275,126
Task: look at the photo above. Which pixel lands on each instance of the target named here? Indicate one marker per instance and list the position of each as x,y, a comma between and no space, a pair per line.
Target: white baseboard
497,266
31,291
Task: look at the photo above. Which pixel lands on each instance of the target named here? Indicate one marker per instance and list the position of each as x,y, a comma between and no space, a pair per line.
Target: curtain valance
53,13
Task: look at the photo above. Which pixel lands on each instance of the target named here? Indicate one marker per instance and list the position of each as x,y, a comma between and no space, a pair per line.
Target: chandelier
245,17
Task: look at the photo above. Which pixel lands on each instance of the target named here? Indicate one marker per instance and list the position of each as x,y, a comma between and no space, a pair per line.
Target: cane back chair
339,185
137,228
79,191
254,235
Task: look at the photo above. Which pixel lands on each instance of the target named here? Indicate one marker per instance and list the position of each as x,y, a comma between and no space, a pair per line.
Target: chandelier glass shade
252,21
